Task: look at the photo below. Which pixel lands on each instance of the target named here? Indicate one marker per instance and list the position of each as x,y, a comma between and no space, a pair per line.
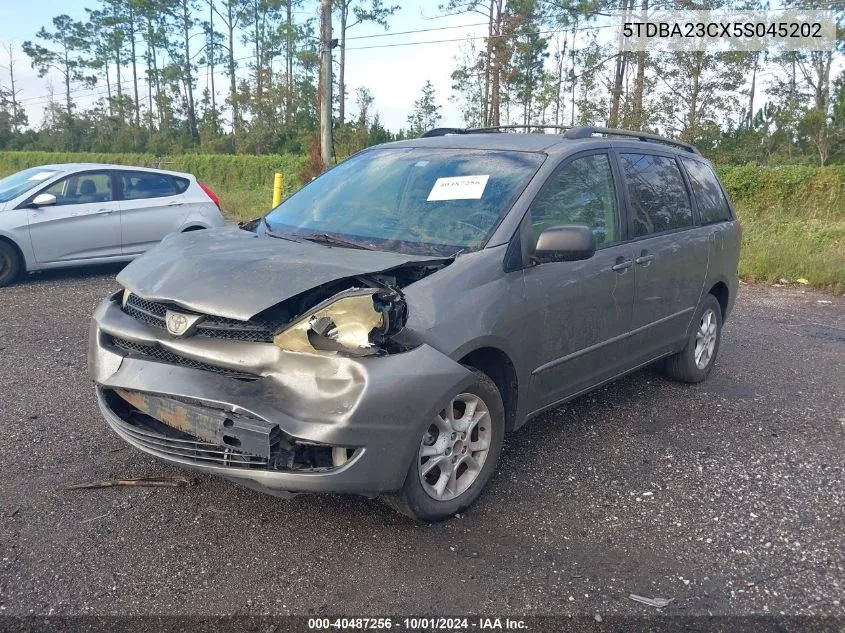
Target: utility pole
326,82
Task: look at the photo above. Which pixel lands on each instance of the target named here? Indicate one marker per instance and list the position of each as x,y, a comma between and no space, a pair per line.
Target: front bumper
377,407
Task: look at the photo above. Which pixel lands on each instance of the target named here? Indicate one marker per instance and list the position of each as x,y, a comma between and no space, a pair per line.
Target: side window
712,203
579,192
86,188
138,185
659,200
181,184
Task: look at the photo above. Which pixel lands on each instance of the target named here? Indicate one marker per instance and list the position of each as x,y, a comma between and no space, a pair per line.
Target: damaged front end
355,322
215,436
313,393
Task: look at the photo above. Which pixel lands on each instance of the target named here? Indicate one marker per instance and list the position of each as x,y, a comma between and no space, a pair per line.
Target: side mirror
568,243
43,200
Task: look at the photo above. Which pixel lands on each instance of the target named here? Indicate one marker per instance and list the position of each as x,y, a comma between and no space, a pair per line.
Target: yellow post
278,182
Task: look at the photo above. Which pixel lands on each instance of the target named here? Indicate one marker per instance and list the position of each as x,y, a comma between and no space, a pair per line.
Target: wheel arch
498,365
722,293
8,240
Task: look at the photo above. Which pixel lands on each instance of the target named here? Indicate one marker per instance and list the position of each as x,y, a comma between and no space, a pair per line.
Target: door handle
175,204
644,260
622,266
105,212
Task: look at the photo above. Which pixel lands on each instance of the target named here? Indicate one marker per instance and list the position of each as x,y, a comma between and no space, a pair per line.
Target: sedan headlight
348,323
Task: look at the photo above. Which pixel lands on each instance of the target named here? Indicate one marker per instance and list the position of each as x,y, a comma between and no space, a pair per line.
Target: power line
38,100
86,93
437,28
479,37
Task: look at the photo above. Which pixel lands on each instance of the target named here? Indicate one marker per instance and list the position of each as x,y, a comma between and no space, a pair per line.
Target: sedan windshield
16,184
412,200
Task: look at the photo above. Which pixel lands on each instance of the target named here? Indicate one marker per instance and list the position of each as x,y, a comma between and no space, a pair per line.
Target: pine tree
426,113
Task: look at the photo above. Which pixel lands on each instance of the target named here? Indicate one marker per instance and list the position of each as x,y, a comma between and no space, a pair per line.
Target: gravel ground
727,496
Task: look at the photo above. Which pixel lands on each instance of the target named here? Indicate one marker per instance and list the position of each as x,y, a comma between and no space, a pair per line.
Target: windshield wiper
272,233
325,238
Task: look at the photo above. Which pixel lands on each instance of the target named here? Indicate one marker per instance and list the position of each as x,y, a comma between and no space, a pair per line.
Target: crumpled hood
237,274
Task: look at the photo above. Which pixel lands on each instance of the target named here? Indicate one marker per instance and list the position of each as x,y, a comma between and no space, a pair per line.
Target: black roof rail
570,132
445,131
520,126
588,131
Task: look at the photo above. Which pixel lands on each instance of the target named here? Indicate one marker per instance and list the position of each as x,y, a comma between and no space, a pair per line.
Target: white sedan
74,214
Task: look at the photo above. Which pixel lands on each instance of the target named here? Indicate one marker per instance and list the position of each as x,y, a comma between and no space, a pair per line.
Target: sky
395,75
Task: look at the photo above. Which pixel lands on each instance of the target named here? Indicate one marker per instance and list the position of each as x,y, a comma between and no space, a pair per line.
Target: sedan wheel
455,447
10,263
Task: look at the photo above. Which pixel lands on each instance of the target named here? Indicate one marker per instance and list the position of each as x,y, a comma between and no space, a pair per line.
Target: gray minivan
379,331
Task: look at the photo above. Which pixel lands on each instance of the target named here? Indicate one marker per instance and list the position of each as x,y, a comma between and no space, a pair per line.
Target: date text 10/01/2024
423,623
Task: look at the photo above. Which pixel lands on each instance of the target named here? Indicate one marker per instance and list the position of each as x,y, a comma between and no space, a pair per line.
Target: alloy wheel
455,447
705,339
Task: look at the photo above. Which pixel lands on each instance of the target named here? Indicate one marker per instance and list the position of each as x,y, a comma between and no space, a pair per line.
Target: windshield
412,200
16,184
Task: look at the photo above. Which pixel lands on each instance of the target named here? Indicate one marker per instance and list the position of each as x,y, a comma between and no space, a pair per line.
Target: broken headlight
353,323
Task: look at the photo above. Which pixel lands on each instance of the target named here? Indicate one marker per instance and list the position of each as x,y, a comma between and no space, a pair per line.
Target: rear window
138,185
659,200
181,184
712,204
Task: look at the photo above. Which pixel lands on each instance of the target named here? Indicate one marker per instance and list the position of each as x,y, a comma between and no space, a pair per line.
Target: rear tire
695,362
10,263
456,455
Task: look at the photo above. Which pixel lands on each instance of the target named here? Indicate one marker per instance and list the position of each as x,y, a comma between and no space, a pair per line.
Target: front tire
457,454
695,362
10,263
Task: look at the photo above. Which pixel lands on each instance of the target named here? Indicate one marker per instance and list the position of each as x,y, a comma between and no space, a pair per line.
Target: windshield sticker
41,175
421,163
458,188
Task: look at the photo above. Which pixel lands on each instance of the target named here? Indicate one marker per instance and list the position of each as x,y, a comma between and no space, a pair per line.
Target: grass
220,171
241,204
794,223
793,216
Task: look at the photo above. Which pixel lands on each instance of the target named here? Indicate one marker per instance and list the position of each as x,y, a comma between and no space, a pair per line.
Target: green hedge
220,171
794,222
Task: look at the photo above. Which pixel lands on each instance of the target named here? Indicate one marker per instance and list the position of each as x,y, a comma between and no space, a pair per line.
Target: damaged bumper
270,419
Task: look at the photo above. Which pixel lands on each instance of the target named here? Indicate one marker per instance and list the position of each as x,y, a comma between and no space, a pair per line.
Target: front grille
146,311
157,437
257,329
148,432
153,352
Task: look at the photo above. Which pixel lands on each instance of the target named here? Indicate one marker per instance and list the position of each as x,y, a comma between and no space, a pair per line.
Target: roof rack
588,131
542,126
445,131
570,132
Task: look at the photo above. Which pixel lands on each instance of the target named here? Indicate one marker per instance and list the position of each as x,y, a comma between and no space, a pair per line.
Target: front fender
16,231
